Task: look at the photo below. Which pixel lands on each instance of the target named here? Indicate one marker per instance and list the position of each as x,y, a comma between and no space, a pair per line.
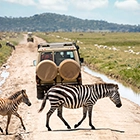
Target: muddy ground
111,123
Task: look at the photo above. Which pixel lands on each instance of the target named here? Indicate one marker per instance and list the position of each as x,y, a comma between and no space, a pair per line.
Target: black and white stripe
79,96
10,45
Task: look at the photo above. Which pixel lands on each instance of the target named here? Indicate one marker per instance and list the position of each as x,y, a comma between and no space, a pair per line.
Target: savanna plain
115,54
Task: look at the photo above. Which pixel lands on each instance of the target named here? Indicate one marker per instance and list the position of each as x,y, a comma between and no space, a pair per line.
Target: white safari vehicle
57,63
30,38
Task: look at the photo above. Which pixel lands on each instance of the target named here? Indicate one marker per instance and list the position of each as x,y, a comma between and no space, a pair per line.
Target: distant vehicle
57,63
30,38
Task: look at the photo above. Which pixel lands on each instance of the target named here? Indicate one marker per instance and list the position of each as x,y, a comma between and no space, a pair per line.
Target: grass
6,51
119,64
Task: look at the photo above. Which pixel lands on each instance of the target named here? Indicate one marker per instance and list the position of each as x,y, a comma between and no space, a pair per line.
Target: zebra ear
116,86
23,91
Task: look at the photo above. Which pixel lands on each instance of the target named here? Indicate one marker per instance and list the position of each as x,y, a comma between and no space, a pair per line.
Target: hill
56,22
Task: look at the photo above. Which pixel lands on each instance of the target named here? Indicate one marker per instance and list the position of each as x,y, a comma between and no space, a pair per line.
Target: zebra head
25,98
115,95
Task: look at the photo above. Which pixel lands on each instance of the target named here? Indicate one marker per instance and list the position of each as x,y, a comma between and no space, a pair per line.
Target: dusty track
111,123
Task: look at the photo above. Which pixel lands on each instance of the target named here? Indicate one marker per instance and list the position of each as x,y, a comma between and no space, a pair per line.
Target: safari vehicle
57,63
30,38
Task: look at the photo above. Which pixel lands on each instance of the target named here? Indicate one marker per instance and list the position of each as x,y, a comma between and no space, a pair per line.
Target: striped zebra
9,106
10,45
15,95
78,96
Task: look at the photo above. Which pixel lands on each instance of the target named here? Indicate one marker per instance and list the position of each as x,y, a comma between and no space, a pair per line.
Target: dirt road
111,123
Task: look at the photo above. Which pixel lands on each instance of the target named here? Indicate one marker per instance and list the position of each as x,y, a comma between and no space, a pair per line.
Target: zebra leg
84,116
1,130
50,112
90,116
16,114
13,47
59,114
8,121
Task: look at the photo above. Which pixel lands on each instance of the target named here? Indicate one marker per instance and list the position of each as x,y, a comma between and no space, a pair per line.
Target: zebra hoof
24,128
69,127
49,129
92,127
6,133
76,125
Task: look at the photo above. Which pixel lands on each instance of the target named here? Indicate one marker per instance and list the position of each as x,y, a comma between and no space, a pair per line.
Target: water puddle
125,92
3,76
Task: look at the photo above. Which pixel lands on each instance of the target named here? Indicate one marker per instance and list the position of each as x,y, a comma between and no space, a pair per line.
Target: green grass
121,65
6,51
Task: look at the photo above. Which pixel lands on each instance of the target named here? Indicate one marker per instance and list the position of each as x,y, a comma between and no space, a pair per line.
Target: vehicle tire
69,69
32,40
40,93
46,70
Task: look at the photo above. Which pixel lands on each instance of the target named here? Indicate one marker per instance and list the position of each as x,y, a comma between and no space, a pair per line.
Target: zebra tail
43,103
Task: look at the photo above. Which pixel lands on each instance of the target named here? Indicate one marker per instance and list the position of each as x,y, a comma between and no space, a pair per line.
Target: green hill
56,22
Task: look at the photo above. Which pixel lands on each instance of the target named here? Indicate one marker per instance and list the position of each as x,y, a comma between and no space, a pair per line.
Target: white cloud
22,2
63,5
58,5
89,4
131,5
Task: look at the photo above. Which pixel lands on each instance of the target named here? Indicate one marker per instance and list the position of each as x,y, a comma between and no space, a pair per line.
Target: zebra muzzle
29,104
119,105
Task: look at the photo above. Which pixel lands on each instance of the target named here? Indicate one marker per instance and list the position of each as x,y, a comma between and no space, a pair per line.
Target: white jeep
57,63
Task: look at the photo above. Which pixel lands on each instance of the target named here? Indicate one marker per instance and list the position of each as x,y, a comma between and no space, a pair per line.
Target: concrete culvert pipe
46,70
69,69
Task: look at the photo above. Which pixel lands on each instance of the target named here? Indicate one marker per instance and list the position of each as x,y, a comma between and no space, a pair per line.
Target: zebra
15,95
10,45
9,106
79,96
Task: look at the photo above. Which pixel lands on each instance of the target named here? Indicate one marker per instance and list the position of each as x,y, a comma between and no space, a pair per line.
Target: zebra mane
15,95
110,85
107,85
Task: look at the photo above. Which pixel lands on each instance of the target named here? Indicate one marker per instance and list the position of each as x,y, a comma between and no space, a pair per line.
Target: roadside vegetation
6,51
114,54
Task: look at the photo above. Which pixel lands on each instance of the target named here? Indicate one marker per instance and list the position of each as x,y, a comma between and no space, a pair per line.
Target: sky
113,11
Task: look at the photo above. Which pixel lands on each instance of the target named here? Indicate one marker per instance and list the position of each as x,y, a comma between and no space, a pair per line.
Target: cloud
89,4
22,2
63,5
58,5
129,5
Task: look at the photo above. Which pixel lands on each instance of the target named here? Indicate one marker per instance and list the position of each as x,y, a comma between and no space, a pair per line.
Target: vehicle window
69,54
60,56
46,56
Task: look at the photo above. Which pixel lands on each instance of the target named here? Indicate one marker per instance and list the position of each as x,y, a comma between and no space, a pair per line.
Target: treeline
54,22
